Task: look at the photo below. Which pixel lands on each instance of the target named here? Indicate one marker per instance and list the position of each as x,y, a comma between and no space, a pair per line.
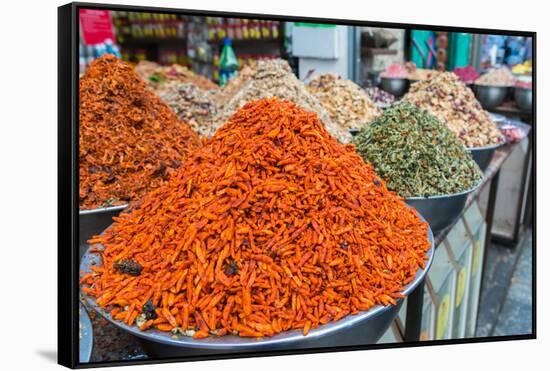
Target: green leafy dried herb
417,154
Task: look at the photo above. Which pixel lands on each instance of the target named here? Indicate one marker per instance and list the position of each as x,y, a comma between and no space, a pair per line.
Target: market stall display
193,105
348,105
274,78
129,139
272,213
446,97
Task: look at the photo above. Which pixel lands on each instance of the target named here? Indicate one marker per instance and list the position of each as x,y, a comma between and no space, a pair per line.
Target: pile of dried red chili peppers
129,139
272,225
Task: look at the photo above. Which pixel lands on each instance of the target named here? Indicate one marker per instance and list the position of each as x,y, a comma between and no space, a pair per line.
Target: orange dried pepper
272,225
129,140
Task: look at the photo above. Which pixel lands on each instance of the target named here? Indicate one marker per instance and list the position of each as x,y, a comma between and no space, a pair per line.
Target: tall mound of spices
417,154
194,106
450,100
129,139
348,105
272,225
274,78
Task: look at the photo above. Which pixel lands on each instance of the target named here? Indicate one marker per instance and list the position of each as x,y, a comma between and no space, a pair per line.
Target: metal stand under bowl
360,329
440,211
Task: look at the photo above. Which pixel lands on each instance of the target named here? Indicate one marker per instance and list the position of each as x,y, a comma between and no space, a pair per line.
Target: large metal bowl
441,211
490,96
396,86
86,336
360,329
483,155
93,222
523,98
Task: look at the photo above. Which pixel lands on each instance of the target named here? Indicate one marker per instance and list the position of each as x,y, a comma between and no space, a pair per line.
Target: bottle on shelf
229,65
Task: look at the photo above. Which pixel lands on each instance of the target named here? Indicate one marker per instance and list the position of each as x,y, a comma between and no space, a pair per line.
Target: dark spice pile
416,153
129,139
272,225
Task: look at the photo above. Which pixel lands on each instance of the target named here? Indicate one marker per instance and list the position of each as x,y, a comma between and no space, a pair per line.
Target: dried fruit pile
497,77
271,225
348,105
274,78
193,105
380,97
129,139
417,154
446,97
160,77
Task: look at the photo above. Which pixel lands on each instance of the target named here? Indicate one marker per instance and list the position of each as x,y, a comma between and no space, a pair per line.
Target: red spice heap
129,139
272,225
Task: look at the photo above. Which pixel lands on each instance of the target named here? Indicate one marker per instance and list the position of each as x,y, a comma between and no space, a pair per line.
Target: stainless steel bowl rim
87,341
393,78
494,86
420,198
490,147
522,88
235,342
102,210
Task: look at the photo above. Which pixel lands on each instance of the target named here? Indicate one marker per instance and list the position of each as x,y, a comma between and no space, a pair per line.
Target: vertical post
415,304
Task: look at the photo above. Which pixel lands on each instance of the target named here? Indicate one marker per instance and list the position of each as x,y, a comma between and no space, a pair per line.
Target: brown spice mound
274,78
193,105
272,225
451,101
348,105
129,139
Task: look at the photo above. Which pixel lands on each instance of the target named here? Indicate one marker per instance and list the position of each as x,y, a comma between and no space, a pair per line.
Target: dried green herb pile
417,154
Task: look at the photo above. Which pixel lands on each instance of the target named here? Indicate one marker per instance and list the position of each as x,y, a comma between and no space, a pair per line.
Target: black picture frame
68,201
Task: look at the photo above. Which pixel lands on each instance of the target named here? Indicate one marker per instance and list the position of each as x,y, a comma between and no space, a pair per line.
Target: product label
96,26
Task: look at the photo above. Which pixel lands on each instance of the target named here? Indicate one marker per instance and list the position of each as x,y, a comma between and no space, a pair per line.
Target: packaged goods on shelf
446,97
129,139
271,212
